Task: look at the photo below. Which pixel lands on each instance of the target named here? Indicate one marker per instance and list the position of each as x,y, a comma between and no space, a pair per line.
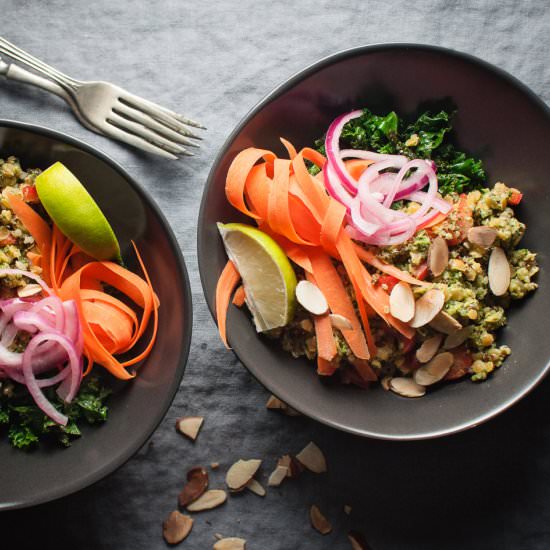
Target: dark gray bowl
137,407
500,120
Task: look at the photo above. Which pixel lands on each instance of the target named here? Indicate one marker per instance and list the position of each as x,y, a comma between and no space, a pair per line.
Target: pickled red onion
56,344
388,179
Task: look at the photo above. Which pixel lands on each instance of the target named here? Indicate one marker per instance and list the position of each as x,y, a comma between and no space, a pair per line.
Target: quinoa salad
402,258
62,323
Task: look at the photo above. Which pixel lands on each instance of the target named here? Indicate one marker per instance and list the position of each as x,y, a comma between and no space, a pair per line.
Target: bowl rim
285,86
186,305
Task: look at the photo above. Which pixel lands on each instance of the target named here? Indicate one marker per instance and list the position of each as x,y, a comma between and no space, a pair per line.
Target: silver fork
109,109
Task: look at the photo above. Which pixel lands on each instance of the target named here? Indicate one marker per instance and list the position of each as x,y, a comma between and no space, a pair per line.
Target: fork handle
14,72
17,73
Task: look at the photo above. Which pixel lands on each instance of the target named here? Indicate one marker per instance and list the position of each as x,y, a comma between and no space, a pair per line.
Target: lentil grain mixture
15,241
465,283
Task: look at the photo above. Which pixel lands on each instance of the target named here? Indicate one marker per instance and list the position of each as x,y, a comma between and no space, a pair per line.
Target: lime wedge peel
75,212
268,277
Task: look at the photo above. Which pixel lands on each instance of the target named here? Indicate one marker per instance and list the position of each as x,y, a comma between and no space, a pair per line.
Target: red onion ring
57,339
335,188
52,304
332,147
370,155
365,227
17,376
368,200
33,385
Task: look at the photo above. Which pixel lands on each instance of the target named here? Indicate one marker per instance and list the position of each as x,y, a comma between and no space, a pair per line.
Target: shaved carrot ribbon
239,297
292,206
331,285
228,281
38,228
370,258
110,327
326,346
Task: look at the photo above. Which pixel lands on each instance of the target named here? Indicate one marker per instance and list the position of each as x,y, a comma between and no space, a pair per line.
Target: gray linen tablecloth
214,60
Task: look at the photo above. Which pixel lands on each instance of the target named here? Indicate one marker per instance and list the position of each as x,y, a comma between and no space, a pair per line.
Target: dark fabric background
213,60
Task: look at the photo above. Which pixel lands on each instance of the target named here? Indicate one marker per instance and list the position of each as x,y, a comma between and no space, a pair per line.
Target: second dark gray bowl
135,408
499,120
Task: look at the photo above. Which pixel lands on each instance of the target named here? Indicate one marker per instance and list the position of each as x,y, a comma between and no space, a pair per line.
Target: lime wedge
268,278
76,213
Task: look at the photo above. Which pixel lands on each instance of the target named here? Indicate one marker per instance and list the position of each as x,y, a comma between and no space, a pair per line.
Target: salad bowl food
96,315
417,202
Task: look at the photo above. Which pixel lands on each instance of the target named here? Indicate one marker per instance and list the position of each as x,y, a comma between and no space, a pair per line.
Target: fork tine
179,117
135,141
147,135
164,110
149,122
171,119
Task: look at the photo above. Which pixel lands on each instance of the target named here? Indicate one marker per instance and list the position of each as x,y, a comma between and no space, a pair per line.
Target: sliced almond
429,348
284,461
499,272
457,338
319,522
256,487
176,527
214,465
445,323
340,322
312,458
4,232
482,235
231,543
347,509
402,302
435,370
29,290
241,473
211,499
385,382
197,483
406,387
274,403
277,476
311,298
189,426
358,541
438,256
427,307
294,467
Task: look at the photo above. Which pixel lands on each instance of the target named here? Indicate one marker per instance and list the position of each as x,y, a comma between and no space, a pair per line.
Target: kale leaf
90,402
22,436
428,137
372,132
27,425
4,415
430,129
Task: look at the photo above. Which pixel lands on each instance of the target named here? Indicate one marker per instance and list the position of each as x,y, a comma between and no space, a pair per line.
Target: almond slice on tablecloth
312,458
